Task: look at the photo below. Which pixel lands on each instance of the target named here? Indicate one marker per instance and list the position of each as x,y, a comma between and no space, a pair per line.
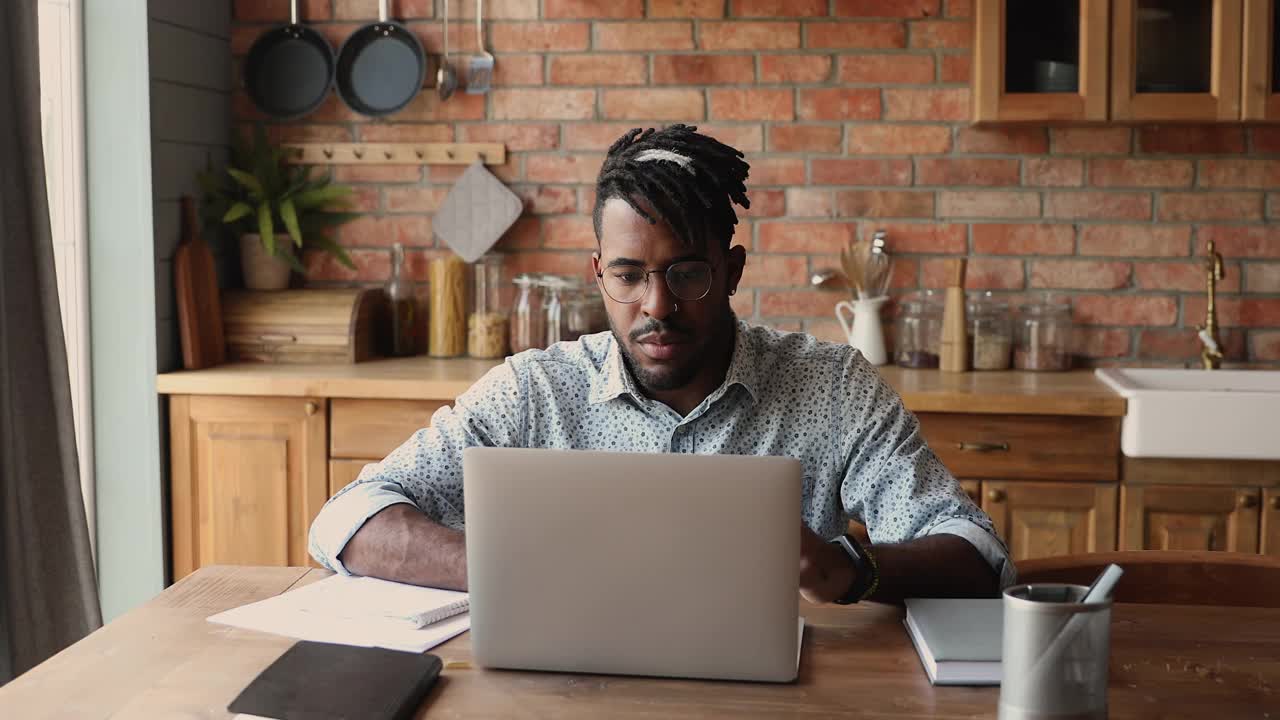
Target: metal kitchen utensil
289,69
879,266
446,77
381,67
480,69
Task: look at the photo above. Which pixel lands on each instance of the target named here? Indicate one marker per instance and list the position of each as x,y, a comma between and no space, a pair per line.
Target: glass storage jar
918,331
1044,335
990,332
528,322
487,324
556,288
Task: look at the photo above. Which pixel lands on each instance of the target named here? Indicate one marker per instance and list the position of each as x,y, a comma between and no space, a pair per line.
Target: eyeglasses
688,280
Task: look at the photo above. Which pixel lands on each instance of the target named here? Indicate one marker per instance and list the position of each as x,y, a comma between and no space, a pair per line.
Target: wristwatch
866,573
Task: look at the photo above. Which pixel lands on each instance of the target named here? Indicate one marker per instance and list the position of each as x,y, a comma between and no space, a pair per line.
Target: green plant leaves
237,211
290,216
251,183
267,228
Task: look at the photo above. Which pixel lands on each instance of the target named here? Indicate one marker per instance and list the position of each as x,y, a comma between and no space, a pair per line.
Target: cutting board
196,285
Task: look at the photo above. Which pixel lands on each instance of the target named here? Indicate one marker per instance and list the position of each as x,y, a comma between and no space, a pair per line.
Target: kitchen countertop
422,378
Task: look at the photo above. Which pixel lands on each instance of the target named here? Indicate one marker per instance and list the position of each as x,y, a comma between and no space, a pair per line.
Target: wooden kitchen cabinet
1045,519
343,472
1176,60
1261,90
248,475
1190,517
1270,544
1012,38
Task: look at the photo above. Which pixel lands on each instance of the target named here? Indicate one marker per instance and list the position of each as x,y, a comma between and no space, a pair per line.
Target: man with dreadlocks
679,373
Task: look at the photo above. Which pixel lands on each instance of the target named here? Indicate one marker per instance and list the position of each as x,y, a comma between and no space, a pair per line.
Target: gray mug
1055,654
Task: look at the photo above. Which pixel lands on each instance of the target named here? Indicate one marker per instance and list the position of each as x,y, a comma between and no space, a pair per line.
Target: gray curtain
48,590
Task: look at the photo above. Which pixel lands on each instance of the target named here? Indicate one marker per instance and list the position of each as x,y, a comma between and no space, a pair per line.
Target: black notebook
322,681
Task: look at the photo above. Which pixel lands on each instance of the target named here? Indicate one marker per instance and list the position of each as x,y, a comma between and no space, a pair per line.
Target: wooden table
163,660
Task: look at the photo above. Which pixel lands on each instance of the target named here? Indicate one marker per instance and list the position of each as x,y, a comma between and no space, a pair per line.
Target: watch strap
866,572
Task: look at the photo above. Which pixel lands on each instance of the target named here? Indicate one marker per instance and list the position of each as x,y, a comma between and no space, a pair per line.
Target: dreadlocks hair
689,180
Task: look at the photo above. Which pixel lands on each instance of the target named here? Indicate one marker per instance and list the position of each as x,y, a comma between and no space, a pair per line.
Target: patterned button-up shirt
785,394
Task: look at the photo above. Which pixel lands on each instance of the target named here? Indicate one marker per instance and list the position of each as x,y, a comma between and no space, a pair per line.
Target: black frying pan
289,69
380,67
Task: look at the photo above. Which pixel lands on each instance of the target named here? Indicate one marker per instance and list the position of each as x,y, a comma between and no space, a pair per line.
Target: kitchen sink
1220,414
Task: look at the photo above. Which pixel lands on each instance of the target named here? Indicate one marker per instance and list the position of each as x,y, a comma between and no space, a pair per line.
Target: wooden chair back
1170,577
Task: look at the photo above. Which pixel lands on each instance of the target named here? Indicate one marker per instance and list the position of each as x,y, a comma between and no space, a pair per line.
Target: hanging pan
380,67
289,69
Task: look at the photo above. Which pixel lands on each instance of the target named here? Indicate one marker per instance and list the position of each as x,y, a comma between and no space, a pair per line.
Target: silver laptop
634,564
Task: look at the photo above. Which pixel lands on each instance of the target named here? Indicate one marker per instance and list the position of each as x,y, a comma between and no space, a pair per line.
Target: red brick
887,8
744,304
1262,277
380,174
1191,139
495,9
332,109
1243,174
898,139
905,274
1182,344
545,168
599,69
1141,173
648,35
402,132
957,68
869,35
794,69
981,273
576,263
308,133
525,234
1023,239
558,104
372,231
278,10
1183,276
884,204
959,8
1053,172
805,138
1092,342
775,271
569,232
796,303
649,104
1265,345
1266,140
987,203
1253,241
778,8
949,34
562,9
825,330
1080,274
749,35
754,104
364,200
548,199
415,199
703,69
543,37
1002,140
967,171
776,171
1248,312
518,70
861,172
712,9
926,105
839,104
1092,141
810,202
765,204
1098,205
796,237
371,265
930,237
593,136
747,138
886,69
367,10
1135,240
427,107
1124,310
517,138
1211,206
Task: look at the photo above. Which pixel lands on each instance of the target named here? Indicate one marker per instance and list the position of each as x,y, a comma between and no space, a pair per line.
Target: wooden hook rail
395,153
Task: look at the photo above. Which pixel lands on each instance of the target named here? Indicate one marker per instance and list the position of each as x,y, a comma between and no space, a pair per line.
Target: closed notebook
366,597
321,681
959,641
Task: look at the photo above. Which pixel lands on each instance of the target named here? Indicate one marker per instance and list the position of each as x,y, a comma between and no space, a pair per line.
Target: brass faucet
1211,355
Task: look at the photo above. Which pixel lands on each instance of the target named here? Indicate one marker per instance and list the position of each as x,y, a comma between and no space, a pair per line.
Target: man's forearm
933,566
400,543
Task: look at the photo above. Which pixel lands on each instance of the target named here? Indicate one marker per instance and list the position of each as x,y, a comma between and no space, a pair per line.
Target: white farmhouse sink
1223,414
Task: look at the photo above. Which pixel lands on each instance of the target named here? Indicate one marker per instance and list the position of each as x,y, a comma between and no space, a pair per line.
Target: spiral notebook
366,597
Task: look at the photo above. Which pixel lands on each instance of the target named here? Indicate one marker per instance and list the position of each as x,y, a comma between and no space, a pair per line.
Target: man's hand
826,571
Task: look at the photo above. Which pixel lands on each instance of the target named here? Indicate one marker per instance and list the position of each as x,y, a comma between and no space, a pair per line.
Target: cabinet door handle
995,495
1275,503
1247,502
311,407
982,447
277,339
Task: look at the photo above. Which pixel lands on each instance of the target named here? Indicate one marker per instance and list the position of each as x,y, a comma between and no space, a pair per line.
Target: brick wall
853,116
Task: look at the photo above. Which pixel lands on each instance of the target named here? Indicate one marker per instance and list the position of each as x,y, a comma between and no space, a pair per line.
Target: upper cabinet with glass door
1176,60
1261,61
1040,60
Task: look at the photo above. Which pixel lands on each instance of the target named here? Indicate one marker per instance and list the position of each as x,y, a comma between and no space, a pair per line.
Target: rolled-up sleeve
897,486
426,470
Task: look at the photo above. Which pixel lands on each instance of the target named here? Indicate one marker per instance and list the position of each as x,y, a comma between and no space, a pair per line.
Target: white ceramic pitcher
860,320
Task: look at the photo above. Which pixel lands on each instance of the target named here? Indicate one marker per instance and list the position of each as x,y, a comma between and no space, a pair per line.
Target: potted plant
275,208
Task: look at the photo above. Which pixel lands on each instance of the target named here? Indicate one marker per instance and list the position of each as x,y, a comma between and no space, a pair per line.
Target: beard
669,376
